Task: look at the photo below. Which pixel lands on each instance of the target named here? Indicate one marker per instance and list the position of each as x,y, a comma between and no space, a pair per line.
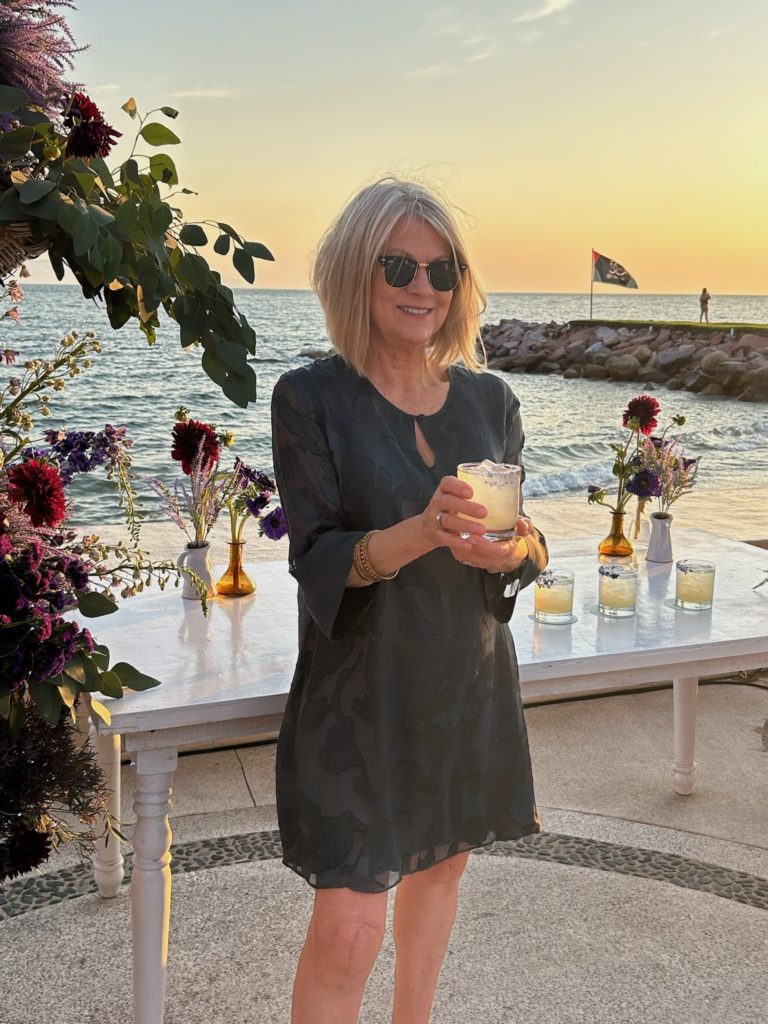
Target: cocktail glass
617,595
553,597
496,485
695,584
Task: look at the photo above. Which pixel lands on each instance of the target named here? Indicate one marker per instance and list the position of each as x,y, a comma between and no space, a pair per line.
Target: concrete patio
638,906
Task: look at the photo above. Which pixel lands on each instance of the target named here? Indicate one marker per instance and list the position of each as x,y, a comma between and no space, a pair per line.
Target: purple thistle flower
273,524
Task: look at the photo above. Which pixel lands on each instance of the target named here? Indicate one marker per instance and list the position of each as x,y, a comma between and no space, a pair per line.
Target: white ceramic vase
199,561
660,541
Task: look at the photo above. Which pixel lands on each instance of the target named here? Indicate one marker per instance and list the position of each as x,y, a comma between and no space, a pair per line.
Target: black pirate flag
608,271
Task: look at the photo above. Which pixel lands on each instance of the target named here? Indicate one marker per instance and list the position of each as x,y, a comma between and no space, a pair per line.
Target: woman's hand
442,525
500,555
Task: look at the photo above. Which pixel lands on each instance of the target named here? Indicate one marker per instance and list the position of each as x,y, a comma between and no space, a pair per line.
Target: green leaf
69,216
100,657
230,231
92,604
45,208
234,355
258,251
68,688
194,271
193,234
127,216
11,99
110,684
131,678
35,189
129,171
101,710
240,389
47,699
17,142
169,111
100,167
221,245
58,265
244,265
162,218
85,234
162,168
157,134
87,182
119,307
214,367
113,255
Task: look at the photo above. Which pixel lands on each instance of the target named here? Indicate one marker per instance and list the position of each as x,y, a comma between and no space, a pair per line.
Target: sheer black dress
403,740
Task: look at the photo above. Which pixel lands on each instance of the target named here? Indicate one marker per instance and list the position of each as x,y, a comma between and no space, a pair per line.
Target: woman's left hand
500,555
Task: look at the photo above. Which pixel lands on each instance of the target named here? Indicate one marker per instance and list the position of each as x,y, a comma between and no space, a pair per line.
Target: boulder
508,362
755,386
713,388
597,353
607,335
316,353
674,384
622,367
750,342
675,358
642,353
593,371
571,373
712,360
728,372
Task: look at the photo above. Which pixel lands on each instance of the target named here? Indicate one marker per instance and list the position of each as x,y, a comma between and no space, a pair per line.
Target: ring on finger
439,518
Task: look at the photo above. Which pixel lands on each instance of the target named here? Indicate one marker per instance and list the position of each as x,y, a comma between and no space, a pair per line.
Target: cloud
544,10
433,71
107,87
481,55
715,33
221,92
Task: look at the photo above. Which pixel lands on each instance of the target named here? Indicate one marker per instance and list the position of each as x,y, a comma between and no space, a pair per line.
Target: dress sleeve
501,589
320,547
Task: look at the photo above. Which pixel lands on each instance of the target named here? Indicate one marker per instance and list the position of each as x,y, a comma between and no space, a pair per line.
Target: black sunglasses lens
399,271
443,276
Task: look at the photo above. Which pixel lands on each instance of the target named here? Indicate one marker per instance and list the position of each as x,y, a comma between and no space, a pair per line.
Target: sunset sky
638,128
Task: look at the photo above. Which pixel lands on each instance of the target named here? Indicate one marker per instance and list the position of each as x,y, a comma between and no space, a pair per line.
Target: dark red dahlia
644,409
39,488
89,134
192,437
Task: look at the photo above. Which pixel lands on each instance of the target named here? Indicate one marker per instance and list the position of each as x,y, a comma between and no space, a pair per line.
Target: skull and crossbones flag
608,271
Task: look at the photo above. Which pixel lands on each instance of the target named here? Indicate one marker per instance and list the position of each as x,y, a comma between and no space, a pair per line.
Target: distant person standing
704,305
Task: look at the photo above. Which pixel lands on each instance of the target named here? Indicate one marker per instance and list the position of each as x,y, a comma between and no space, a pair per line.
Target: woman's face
409,317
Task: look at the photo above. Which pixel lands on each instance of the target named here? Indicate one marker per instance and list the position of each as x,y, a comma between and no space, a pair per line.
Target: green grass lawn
741,328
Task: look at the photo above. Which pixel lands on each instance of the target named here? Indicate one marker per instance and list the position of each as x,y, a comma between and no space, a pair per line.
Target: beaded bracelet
363,565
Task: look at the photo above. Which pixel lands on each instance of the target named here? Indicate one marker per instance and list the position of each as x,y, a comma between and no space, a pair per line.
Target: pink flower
14,314
15,291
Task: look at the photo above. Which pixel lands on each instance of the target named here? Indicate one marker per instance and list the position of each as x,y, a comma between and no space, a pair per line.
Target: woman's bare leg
343,941
425,909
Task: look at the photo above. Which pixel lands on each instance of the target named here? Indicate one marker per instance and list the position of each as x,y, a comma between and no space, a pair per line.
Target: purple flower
594,489
9,356
645,484
273,524
257,503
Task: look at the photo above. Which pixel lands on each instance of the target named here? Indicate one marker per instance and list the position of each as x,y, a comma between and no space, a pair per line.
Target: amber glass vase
235,582
616,543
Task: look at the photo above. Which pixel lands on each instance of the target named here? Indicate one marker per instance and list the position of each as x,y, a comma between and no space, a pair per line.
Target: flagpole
591,281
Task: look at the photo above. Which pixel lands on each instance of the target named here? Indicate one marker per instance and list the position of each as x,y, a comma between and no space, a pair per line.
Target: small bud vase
660,543
199,561
235,582
616,544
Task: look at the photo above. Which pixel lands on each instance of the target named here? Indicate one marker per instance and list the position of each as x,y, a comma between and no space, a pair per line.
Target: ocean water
568,424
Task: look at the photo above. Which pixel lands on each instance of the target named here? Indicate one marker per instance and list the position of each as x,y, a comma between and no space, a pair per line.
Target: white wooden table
227,676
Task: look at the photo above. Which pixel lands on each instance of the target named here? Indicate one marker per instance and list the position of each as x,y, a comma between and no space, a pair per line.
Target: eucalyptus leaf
222,243
258,251
110,684
11,99
100,656
241,389
162,168
230,231
17,142
93,604
101,710
244,265
193,234
131,678
100,167
35,189
68,689
157,134
47,700
85,234
169,111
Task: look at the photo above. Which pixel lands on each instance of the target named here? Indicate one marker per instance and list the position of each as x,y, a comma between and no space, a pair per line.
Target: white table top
239,660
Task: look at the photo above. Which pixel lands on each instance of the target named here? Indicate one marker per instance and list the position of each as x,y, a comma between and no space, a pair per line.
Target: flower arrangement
120,230
665,474
195,507
639,418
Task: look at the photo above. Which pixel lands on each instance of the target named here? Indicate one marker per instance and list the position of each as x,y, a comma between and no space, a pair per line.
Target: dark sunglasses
443,275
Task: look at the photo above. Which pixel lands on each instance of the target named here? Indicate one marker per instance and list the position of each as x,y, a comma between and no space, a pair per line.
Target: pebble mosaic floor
34,892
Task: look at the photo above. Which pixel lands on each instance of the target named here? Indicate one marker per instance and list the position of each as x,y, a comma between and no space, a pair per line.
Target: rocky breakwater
708,361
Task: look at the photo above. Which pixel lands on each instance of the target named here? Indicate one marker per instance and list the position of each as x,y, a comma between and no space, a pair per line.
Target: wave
537,485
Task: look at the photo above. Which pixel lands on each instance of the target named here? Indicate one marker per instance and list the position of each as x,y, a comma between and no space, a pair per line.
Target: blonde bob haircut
346,260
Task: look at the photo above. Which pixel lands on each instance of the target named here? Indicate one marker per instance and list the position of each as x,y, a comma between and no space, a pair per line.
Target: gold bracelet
363,565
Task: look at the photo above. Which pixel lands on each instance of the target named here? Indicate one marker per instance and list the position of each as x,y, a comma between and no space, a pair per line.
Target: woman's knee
446,872
347,938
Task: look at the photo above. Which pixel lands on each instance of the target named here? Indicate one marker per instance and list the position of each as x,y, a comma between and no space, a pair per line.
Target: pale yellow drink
617,595
553,596
496,486
695,585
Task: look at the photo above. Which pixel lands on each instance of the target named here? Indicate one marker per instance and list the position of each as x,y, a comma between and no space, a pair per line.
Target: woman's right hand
441,523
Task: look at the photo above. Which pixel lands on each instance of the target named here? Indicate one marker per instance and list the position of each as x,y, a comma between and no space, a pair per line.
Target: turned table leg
151,882
685,691
108,866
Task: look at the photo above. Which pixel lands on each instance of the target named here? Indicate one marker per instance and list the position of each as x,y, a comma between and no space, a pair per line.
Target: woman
403,745
704,305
